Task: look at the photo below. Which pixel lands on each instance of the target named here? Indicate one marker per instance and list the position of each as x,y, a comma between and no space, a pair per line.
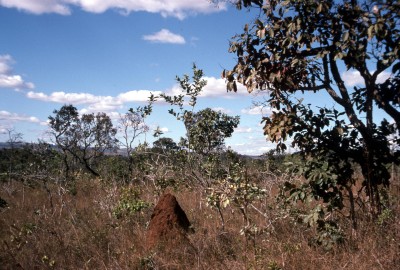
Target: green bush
130,203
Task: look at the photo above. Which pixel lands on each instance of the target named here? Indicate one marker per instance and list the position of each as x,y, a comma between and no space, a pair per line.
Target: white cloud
217,88
223,110
62,97
105,105
382,77
38,6
165,36
265,149
5,61
243,130
14,117
7,78
3,129
255,145
257,110
252,147
94,103
352,78
174,8
164,130
13,81
214,88
136,95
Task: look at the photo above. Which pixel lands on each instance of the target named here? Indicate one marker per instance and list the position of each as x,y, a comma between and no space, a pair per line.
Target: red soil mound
169,223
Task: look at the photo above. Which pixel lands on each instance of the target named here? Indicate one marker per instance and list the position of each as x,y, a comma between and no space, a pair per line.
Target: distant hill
120,151
6,145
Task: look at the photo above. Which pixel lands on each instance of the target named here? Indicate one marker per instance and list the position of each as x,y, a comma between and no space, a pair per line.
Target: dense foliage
241,207
207,129
83,138
298,47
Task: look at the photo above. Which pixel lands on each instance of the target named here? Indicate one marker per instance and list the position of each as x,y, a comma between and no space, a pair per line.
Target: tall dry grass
60,229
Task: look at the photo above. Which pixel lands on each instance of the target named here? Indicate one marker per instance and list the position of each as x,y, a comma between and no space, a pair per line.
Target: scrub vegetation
79,203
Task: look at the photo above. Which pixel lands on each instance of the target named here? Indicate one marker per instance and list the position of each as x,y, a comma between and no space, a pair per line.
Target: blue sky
108,55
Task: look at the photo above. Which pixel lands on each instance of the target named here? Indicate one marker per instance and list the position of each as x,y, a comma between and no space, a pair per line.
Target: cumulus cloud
256,145
3,129
352,78
94,103
5,63
257,110
215,88
62,97
7,78
253,146
165,36
14,117
164,129
136,95
44,123
242,129
223,110
38,6
173,8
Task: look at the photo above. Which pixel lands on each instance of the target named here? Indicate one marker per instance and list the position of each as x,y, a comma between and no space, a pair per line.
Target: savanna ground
100,223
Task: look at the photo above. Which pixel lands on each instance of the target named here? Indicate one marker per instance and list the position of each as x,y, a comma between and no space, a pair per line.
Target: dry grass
59,230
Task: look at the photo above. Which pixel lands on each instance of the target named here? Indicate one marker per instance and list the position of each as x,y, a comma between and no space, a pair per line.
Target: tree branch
345,100
387,107
327,85
315,51
312,88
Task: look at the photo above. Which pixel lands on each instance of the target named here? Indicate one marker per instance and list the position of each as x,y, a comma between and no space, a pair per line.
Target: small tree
165,144
84,138
208,129
14,140
96,135
64,125
132,125
298,46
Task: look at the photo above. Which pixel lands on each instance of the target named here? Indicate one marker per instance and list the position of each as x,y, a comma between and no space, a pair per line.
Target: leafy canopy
299,46
84,138
207,129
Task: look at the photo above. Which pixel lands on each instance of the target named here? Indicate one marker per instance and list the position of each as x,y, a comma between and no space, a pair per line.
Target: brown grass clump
55,229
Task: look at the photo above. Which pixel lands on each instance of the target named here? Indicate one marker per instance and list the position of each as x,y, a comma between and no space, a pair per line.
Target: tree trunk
67,169
352,208
372,183
90,169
